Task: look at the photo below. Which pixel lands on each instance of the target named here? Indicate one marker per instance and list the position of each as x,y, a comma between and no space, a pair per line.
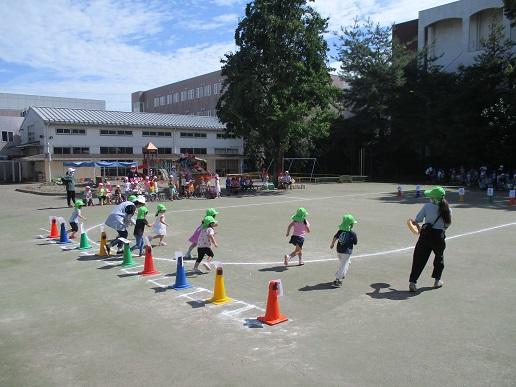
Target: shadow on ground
321,286
393,294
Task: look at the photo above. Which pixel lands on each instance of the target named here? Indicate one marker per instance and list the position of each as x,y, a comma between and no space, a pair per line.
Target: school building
52,136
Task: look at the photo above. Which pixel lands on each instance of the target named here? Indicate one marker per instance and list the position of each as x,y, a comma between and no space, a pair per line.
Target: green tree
510,10
277,85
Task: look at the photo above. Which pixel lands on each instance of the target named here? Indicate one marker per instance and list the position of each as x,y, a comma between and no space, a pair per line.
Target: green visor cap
348,221
142,211
79,203
207,221
300,215
132,198
436,193
211,212
160,208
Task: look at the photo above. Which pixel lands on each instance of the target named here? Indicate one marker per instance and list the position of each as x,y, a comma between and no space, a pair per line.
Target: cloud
82,50
217,22
226,3
342,12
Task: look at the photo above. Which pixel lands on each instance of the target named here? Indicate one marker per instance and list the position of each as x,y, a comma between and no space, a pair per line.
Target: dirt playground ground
71,318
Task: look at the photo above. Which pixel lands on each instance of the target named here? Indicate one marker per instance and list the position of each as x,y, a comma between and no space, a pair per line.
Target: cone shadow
127,275
277,269
321,286
197,303
253,323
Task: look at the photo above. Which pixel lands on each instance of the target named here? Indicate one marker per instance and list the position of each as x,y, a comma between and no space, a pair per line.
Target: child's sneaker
412,287
438,284
337,283
285,261
207,266
301,263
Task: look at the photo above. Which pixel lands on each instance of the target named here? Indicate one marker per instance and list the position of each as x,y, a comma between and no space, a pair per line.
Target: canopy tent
121,164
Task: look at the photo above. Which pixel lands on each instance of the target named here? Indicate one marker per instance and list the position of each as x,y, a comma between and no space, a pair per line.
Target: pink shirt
299,228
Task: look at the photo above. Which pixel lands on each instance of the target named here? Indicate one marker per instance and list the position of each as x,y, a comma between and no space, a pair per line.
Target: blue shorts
74,226
297,240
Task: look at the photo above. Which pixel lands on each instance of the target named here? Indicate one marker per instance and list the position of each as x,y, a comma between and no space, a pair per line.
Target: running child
345,239
159,228
300,227
204,243
195,236
139,228
74,219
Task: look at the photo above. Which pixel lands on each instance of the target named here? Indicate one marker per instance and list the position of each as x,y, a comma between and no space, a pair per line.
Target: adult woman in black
437,218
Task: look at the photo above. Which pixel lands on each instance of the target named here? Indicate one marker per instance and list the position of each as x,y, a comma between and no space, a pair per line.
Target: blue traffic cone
181,281
63,237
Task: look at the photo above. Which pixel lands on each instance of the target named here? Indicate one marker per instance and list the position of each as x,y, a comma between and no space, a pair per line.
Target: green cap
348,221
142,211
132,198
160,208
300,215
436,193
79,203
211,212
207,221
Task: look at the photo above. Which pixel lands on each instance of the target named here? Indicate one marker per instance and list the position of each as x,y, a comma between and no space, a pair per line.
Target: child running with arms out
345,239
159,228
204,242
139,228
195,236
300,227
74,219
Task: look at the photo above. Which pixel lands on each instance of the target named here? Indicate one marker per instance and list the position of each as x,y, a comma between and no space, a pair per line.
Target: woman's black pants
432,240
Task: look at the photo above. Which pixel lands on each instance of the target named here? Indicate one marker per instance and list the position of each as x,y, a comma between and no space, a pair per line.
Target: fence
10,171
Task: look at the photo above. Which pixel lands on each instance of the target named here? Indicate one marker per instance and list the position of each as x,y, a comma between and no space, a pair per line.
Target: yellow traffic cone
103,242
219,293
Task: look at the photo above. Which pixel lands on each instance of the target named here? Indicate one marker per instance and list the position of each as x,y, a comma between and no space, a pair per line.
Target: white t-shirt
204,240
75,215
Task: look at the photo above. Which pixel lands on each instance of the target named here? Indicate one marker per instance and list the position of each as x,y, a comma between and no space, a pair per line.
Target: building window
59,150
193,151
224,136
162,100
193,135
147,133
111,132
226,151
183,95
156,101
176,97
71,131
7,136
190,94
113,150
199,92
216,88
207,90
169,99
164,151
227,166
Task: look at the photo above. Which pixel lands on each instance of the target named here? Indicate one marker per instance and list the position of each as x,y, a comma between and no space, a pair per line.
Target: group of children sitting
107,194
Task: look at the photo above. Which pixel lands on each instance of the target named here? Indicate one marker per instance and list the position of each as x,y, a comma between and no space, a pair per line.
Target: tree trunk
278,164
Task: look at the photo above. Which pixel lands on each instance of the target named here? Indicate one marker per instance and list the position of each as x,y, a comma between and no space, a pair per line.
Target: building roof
125,119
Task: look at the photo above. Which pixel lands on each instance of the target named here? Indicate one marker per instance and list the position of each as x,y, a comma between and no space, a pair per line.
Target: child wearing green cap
195,235
205,241
300,227
345,239
74,219
139,228
436,216
159,228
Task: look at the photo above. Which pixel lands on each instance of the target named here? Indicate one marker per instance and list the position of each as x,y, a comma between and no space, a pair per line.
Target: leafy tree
510,10
277,87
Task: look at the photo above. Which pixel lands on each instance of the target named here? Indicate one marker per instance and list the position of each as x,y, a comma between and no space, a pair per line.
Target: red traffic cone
273,315
148,268
54,232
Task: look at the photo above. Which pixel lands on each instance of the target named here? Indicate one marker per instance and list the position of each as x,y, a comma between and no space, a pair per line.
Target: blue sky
106,49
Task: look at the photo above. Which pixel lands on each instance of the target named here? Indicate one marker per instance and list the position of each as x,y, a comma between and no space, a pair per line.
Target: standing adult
120,219
217,185
437,218
69,182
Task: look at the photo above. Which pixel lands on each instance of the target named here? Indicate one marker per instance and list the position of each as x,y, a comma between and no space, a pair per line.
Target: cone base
85,248
219,301
53,237
179,287
130,264
153,272
64,243
280,319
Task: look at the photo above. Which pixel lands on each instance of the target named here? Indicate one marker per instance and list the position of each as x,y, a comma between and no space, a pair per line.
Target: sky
107,49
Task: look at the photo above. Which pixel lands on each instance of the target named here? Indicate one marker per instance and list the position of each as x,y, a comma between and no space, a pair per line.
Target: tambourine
414,228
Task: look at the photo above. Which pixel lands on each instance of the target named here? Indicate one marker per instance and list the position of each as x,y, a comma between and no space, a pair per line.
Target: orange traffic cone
54,233
148,268
103,243
273,315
